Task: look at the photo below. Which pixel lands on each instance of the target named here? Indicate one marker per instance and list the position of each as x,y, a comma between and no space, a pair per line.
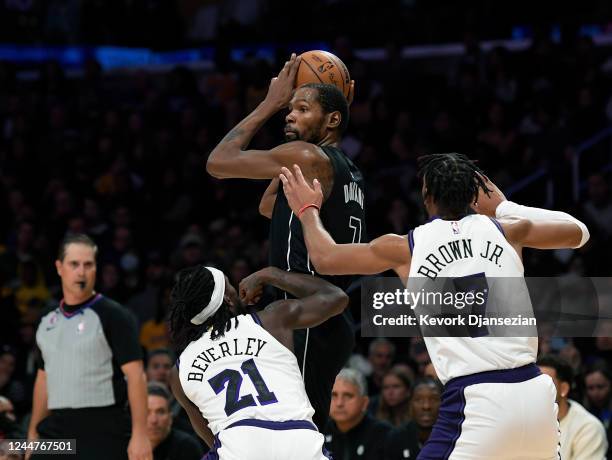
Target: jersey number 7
233,378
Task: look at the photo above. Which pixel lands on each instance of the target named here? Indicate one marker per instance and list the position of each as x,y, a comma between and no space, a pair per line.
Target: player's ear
58,267
333,120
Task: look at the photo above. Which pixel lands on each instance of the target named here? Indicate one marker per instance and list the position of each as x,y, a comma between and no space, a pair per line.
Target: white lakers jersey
472,246
246,374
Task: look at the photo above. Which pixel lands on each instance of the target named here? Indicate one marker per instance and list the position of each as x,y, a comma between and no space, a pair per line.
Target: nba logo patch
455,227
81,327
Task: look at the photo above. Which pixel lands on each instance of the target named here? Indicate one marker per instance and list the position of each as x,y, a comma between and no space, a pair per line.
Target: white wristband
512,209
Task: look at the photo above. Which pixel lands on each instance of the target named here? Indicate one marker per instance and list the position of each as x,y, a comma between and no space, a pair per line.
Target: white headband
216,299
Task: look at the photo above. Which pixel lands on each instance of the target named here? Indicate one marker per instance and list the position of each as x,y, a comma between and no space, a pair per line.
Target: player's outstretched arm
532,227
388,252
230,159
541,228
317,300
199,423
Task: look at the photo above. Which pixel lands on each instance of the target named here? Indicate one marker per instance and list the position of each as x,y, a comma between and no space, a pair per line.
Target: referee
90,367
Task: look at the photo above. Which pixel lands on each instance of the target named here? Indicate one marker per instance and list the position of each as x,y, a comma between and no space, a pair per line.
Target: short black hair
158,389
76,238
562,368
428,382
192,292
332,100
160,351
453,181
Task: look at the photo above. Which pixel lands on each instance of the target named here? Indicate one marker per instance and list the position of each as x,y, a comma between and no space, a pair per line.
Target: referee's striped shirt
82,348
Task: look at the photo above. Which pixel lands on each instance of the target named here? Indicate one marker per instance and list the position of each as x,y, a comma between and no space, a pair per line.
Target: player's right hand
281,87
487,203
251,287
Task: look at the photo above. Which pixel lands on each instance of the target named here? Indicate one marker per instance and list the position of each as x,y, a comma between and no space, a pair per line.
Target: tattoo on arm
233,134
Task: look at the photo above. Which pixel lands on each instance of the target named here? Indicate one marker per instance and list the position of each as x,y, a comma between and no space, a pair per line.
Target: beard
292,135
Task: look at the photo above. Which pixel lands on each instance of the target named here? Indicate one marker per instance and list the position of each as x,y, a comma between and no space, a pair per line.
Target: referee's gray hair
354,377
381,341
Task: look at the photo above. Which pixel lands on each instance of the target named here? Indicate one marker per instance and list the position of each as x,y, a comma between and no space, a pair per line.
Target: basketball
323,67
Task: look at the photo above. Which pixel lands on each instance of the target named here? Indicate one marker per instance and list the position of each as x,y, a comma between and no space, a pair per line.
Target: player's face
159,419
425,405
305,120
158,368
394,391
77,270
347,404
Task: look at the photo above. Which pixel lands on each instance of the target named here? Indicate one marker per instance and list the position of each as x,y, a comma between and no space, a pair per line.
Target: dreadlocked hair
453,181
191,292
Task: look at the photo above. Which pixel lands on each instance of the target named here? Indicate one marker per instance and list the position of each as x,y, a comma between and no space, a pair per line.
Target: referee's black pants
101,433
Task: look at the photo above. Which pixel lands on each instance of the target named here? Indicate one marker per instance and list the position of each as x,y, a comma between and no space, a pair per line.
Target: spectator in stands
352,433
394,404
154,332
582,434
406,440
9,429
159,363
381,354
420,356
168,443
10,387
598,207
597,382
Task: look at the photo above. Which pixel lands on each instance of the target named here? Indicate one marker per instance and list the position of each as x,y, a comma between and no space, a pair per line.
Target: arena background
107,114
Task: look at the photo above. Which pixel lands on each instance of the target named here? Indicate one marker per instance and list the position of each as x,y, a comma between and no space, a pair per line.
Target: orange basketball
323,67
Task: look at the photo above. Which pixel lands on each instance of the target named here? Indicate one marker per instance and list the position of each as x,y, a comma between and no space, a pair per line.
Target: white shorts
502,415
265,440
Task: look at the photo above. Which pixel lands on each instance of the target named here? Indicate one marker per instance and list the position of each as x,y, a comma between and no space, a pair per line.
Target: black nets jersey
322,351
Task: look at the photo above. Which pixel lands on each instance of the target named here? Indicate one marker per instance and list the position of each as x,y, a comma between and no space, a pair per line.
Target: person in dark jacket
405,441
352,433
168,442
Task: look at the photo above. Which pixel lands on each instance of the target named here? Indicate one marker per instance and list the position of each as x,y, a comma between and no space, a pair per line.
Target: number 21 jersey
246,374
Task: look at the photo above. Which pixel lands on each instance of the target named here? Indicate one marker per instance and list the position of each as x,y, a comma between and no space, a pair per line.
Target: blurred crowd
121,158
179,23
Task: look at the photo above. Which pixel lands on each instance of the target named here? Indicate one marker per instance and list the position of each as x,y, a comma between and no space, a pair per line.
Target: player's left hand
487,203
281,87
298,192
139,447
251,287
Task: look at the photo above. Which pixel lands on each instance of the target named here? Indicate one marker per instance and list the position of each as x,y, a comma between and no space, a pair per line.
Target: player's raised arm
388,252
316,299
532,227
231,159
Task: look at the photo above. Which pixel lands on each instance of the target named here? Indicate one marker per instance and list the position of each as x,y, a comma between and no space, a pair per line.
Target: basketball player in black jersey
318,114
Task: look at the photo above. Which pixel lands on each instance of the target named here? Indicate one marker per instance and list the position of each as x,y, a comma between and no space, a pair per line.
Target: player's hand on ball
281,87
251,288
298,192
487,203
